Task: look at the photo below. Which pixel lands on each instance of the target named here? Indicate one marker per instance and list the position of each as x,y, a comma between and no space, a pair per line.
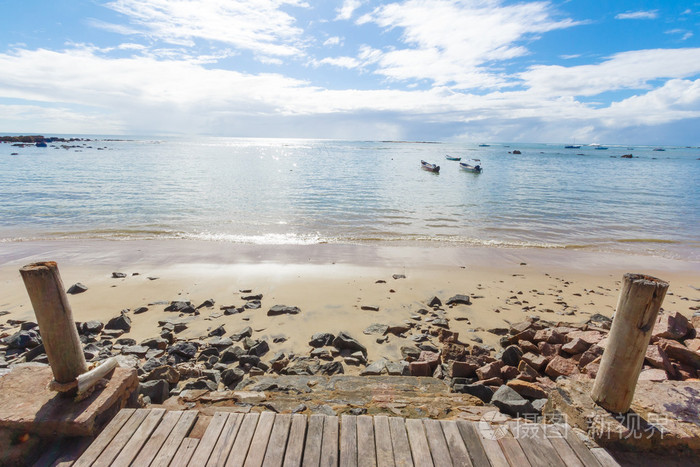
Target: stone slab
665,416
27,405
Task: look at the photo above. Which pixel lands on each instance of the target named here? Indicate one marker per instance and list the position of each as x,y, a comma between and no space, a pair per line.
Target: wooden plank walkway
143,437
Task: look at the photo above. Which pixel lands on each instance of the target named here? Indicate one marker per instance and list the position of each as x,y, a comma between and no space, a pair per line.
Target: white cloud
569,57
335,40
347,9
625,70
651,14
256,25
342,62
685,33
449,41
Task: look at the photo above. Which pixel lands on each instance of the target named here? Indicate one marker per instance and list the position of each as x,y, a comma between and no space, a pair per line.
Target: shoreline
332,283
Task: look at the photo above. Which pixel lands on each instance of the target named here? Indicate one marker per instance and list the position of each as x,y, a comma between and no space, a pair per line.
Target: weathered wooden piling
55,318
640,299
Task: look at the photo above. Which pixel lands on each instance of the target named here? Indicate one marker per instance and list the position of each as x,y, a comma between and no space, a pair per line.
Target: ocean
293,191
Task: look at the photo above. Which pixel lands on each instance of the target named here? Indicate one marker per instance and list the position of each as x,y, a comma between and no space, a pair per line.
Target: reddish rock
517,328
490,370
678,351
527,373
420,369
550,336
527,389
454,351
527,335
670,326
693,344
535,361
658,359
590,337
592,368
444,335
560,366
527,346
653,374
432,358
461,369
495,381
548,350
509,372
589,355
575,346
566,329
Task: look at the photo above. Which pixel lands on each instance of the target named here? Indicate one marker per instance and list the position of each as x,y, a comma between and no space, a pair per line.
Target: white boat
474,168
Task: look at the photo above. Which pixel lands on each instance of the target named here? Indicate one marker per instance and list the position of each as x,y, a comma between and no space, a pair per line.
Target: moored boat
658,149
430,167
452,158
571,146
474,168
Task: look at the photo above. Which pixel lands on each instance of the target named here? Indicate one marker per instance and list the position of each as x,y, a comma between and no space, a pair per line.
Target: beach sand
331,283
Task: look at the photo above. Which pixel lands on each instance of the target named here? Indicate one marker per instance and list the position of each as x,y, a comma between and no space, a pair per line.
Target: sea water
291,191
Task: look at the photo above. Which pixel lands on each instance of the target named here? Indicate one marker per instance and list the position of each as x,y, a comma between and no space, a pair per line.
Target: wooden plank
399,441
174,439
561,446
604,457
239,451
436,440
383,437
455,444
366,452
258,445
104,438
208,441
513,452
151,448
139,438
274,455
295,443
537,448
119,441
348,441
329,446
488,437
314,438
223,445
420,450
184,453
581,450
472,441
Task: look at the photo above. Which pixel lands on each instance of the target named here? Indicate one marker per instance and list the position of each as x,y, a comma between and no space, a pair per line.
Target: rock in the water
344,341
76,288
510,402
283,309
459,299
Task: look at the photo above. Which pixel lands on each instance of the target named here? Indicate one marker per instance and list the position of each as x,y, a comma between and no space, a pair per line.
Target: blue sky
452,70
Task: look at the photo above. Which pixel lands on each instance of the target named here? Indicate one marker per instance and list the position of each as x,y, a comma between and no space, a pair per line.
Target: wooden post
55,319
640,299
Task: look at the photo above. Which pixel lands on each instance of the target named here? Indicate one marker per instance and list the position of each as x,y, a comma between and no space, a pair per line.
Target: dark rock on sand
242,334
141,309
118,275
92,327
156,390
121,322
459,299
510,402
376,328
321,339
283,309
481,391
23,340
511,355
344,341
184,349
76,288
256,297
231,354
206,303
433,302
232,376
219,331
180,306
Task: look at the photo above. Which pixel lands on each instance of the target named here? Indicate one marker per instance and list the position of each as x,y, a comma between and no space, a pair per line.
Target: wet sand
331,283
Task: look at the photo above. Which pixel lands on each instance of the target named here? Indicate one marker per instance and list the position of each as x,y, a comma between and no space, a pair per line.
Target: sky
578,71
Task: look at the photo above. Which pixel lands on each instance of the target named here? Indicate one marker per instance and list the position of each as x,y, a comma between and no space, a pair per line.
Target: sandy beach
332,283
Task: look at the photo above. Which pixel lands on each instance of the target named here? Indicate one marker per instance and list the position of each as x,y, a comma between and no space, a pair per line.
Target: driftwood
55,319
640,299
